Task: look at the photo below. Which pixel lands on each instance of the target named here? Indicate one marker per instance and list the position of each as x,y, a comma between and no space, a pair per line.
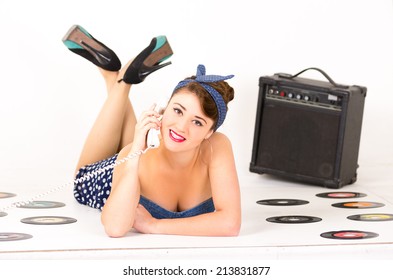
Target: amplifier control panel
304,96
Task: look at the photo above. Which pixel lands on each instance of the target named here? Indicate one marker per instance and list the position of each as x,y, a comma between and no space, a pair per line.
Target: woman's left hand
144,221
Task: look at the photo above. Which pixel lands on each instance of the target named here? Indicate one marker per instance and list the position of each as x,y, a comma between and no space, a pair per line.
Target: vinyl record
48,220
358,204
282,202
371,217
294,219
349,234
3,214
6,194
13,236
42,205
341,195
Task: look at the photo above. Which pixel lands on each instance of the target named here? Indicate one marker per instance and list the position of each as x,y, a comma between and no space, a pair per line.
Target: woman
188,185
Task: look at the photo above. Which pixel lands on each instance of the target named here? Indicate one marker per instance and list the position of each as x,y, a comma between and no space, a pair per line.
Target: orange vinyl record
358,204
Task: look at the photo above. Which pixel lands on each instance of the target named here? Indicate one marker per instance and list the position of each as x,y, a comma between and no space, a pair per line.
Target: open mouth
176,137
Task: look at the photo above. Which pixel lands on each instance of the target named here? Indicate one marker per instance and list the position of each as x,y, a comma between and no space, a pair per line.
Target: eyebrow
184,108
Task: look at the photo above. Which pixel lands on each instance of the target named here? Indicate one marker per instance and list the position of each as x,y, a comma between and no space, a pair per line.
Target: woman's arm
118,213
226,220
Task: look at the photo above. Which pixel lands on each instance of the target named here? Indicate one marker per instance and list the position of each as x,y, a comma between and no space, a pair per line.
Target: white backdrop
50,96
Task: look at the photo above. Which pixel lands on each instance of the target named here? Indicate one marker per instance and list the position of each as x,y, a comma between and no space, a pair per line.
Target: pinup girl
188,185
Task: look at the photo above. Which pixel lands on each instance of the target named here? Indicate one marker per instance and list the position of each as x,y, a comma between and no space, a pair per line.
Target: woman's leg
115,124
129,120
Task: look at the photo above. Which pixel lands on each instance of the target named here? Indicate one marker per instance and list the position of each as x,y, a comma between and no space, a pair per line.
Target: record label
341,195
42,205
358,204
293,219
349,234
13,236
371,217
6,194
282,202
48,220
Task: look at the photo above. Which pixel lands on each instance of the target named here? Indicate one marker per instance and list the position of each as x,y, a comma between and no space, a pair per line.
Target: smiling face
184,125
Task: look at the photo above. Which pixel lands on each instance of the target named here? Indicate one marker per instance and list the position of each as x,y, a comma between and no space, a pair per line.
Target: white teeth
176,136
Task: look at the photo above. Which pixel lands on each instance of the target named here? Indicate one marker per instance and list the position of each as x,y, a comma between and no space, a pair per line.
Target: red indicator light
282,93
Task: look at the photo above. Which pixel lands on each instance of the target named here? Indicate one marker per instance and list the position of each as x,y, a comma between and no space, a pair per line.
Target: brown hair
207,103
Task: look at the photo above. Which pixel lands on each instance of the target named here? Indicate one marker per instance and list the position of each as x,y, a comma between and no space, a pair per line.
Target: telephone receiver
153,140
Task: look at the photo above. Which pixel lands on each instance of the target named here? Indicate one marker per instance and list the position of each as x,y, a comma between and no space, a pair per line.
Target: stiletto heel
148,61
79,41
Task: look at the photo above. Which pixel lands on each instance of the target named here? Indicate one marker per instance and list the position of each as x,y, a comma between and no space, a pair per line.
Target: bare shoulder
220,141
217,148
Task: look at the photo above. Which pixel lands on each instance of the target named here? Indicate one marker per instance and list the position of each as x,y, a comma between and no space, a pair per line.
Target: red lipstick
176,137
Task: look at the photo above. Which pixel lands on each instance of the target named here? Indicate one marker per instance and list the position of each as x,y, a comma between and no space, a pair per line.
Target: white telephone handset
153,140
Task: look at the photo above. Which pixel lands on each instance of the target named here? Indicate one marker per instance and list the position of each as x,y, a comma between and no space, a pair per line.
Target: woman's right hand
149,119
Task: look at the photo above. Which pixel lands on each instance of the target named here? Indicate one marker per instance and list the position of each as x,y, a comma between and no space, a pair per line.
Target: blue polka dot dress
94,190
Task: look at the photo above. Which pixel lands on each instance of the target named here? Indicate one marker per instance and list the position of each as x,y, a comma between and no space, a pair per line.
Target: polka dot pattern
95,189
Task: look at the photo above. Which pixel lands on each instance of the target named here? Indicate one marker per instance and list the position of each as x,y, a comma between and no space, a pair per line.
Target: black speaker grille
298,139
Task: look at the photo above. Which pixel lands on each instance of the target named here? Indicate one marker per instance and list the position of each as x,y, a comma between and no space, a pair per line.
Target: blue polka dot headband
203,79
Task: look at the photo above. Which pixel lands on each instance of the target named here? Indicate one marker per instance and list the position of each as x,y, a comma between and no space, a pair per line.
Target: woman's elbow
232,228
115,232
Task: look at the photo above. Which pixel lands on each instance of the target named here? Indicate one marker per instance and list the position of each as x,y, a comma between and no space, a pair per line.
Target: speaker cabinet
308,130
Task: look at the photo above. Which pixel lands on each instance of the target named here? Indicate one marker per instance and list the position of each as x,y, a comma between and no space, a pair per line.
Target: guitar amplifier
308,130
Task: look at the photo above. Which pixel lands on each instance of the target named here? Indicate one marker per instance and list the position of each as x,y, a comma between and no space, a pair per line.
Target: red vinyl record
349,234
341,195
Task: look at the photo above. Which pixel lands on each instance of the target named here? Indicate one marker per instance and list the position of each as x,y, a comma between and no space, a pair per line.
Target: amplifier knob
298,96
290,95
307,98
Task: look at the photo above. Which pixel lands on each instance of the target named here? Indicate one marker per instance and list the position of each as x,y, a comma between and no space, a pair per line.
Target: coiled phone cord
75,181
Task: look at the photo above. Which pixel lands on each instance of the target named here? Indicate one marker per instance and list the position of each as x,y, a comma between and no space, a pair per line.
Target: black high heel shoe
148,61
79,41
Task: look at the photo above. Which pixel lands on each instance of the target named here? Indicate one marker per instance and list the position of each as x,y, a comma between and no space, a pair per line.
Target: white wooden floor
259,238
82,249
